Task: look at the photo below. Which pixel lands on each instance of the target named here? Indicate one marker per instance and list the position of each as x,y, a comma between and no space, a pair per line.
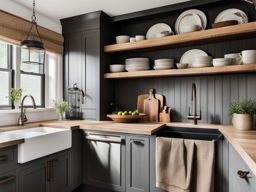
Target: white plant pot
243,121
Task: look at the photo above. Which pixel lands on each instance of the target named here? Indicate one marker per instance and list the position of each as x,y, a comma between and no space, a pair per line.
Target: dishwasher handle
104,138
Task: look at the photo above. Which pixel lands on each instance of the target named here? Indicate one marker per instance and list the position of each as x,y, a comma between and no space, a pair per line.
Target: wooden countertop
244,142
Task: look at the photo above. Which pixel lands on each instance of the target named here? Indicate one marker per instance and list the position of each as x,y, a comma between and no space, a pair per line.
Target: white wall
22,11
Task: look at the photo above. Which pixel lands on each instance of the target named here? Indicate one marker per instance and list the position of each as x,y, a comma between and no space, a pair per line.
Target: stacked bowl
249,56
115,68
163,64
221,62
137,64
202,61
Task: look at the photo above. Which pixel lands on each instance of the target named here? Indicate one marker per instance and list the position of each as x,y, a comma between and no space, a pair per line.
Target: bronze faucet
194,116
23,118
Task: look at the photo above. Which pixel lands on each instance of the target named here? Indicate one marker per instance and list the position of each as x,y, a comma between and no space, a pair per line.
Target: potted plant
61,108
15,95
242,113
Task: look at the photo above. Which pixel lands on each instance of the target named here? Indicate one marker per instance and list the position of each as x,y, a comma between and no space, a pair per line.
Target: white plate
138,69
188,16
156,29
162,68
187,20
232,14
189,56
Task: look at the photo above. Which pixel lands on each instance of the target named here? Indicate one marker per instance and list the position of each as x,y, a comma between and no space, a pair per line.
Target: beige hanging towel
204,166
174,163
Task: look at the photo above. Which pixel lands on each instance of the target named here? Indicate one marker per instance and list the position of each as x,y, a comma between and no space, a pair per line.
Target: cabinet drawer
237,183
8,181
7,158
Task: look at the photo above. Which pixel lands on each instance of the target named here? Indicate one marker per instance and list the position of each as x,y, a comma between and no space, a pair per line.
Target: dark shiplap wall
214,93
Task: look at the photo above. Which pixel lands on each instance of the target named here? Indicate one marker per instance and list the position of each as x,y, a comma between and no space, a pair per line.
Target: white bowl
248,53
236,58
140,37
182,65
219,62
116,68
122,39
191,28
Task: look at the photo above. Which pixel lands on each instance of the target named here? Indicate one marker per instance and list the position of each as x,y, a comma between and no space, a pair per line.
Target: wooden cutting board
152,107
141,98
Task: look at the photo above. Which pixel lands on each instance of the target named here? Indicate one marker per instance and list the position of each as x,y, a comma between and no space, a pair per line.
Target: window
42,80
32,77
6,74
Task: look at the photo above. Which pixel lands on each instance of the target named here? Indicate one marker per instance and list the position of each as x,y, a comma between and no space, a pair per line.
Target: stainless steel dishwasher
105,160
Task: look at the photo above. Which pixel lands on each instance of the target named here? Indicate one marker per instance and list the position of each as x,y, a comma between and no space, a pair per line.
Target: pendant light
33,45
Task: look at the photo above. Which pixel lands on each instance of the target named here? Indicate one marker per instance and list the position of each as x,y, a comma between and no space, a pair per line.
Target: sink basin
39,141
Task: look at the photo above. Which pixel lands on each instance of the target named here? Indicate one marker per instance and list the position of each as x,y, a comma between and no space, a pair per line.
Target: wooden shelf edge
183,72
209,34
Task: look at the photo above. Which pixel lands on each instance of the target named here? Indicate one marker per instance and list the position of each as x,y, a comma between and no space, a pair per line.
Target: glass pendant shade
32,46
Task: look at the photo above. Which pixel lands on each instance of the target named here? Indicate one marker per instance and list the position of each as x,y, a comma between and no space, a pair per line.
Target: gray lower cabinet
49,174
105,161
8,181
137,164
241,179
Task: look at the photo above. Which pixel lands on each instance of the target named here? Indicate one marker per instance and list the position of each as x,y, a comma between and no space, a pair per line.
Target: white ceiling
58,9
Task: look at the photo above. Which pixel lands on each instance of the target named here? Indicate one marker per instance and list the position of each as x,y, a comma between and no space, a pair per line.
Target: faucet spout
23,118
194,116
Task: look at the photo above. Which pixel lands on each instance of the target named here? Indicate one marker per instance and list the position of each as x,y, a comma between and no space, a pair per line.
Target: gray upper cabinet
105,161
137,164
241,179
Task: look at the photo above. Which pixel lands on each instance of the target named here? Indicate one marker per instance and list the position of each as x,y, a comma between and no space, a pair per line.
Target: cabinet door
8,181
105,164
32,177
59,173
236,183
137,164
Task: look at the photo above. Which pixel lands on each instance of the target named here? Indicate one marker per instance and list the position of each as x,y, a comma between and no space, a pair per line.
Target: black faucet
23,118
194,116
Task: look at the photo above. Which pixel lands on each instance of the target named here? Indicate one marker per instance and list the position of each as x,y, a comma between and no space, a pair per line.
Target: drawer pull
8,179
3,157
137,142
243,174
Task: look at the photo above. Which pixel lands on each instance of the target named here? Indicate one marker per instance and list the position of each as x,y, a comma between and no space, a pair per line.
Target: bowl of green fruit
127,116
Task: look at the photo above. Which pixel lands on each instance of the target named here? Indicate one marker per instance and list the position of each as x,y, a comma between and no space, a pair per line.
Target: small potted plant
15,95
242,113
61,108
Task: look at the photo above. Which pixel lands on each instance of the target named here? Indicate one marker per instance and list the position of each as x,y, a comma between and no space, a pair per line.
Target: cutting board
141,98
152,107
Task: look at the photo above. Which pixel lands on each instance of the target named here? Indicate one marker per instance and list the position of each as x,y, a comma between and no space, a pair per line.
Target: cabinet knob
137,142
242,174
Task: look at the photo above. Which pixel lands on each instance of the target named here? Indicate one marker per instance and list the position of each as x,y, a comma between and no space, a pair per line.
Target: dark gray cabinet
241,179
137,164
8,181
49,174
105,161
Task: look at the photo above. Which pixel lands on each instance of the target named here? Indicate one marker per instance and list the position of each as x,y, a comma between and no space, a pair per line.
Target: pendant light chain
34,12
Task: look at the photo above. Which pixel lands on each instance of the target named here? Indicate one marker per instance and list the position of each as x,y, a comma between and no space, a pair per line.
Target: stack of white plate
220,62
115,68
202,61
162,64
137,64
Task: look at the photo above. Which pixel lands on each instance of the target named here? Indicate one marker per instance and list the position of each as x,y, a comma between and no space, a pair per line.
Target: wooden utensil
126,118
224,24
152,106
141,98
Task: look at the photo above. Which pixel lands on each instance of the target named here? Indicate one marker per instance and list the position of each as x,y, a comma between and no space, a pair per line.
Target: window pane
32,85
32,61
32,68
3,55
4,87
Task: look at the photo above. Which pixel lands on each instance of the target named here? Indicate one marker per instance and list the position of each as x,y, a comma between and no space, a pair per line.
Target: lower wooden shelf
184,72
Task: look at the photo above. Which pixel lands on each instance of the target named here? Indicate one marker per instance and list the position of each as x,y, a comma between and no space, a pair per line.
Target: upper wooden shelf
184,72
199,36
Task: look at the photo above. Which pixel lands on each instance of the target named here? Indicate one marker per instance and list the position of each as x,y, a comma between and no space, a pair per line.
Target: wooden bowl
126,118
224,24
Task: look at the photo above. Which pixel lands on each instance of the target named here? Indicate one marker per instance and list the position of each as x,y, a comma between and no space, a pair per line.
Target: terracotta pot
243,121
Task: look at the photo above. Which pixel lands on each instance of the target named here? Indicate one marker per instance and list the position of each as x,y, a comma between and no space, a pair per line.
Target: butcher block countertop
243,141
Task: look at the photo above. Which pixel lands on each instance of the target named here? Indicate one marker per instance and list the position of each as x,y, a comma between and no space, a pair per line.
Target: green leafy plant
15,94
243,107
61,107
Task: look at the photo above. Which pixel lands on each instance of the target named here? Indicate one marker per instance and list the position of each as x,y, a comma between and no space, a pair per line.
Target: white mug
236,58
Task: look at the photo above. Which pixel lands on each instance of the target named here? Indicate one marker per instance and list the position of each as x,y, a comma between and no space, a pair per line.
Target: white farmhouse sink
39,141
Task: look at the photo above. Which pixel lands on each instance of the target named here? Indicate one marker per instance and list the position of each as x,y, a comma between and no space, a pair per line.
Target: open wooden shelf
199,36
184,72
